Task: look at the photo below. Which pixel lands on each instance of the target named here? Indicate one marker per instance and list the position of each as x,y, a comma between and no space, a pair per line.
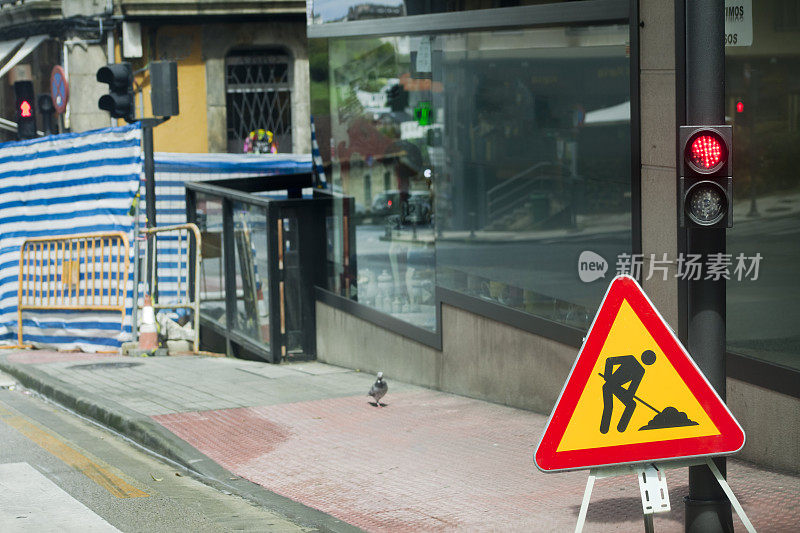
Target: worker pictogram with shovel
626,370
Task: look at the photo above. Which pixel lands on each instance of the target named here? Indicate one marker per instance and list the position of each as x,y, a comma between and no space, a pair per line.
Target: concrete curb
152,436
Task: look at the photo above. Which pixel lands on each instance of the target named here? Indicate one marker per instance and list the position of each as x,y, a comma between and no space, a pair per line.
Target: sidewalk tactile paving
438,462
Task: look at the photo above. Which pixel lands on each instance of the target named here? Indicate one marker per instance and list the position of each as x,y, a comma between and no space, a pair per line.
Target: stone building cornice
20,18
205,8
18,12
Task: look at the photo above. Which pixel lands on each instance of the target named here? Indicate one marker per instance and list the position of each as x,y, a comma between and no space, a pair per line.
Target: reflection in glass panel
212,286
763,104
292,281
351,10
250,245
535,167
380,138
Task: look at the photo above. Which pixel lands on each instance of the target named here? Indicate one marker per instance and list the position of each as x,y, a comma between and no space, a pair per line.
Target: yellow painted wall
186,132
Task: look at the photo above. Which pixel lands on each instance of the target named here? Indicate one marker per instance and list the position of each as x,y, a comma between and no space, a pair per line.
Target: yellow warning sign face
634,395
630,405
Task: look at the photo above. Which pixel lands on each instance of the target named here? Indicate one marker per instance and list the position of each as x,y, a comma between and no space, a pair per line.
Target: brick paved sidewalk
429,461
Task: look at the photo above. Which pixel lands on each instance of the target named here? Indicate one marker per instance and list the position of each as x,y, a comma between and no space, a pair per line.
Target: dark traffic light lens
706,203
706,152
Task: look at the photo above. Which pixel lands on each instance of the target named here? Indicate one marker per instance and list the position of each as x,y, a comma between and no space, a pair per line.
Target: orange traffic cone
148,335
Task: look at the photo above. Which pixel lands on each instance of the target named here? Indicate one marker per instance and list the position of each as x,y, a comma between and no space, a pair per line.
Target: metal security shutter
259,96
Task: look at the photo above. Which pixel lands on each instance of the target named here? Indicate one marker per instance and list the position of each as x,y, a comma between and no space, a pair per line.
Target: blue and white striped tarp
86,183
64,185
172,171
319,166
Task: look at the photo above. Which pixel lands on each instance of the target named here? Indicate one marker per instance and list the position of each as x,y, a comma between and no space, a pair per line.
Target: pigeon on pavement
379,389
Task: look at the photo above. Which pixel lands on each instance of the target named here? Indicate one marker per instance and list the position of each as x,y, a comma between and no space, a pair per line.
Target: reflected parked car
386,203
416,211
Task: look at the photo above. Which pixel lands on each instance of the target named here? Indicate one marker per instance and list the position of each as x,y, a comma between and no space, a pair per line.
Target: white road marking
29,502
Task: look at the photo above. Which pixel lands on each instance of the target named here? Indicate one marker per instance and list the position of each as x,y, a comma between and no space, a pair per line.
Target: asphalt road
60,473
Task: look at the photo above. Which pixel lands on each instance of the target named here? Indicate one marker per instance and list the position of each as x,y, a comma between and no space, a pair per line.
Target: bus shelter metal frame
306,267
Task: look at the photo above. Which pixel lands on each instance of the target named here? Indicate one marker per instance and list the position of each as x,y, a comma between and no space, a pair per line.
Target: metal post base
715,515
707,516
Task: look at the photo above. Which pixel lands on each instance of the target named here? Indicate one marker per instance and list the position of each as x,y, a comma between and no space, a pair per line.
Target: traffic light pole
120,102
150,194
707,507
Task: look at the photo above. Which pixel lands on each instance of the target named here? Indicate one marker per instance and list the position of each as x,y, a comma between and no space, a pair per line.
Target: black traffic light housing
706,183
164,84
47,109
25,109
119,102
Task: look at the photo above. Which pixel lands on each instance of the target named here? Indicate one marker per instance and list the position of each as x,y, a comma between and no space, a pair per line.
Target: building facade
242,66
505,159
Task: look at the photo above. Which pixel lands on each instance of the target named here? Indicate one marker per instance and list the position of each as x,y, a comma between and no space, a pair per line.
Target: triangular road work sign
634,395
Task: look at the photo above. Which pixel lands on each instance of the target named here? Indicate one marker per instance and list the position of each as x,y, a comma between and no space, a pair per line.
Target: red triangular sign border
731,437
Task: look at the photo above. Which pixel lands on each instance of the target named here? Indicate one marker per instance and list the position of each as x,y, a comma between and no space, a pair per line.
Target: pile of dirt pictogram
669,418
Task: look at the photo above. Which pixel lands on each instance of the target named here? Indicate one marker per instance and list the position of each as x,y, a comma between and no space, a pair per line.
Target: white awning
617,114
30,44
6,47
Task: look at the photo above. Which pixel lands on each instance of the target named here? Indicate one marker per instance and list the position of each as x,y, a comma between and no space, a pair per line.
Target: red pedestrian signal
26,114
740,107
25,109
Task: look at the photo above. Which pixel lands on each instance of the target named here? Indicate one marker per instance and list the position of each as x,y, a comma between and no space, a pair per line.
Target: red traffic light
706,152
706,180
25,109
740,107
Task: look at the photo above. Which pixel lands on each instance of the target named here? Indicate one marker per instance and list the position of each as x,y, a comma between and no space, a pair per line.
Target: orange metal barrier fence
187,295
87,272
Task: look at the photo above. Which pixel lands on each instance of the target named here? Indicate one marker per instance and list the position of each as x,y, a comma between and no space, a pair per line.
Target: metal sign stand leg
648,523
653,486
585,504
729,493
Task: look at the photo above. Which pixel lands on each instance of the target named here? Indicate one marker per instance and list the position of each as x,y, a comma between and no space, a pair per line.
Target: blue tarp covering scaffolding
85,183
64,185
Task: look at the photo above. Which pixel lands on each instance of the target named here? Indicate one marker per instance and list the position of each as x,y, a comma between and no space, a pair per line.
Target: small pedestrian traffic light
26,113
706,183
119,101
46,110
